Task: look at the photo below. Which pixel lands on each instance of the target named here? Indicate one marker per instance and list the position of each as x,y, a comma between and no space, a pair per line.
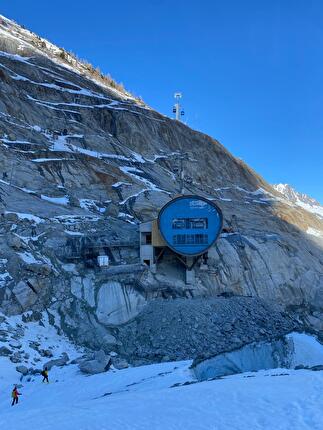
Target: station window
189,223
146,238
190,239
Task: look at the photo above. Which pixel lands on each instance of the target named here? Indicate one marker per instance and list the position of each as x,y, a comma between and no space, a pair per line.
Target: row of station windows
189,223
190,239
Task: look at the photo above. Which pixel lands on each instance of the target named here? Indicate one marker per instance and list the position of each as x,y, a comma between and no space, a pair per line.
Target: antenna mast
177,109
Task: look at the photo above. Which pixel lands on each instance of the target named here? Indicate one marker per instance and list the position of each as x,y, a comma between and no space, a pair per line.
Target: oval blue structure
190,224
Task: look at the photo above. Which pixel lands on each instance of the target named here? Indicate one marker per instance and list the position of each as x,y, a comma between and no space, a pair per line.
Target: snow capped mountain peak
300,199
294,196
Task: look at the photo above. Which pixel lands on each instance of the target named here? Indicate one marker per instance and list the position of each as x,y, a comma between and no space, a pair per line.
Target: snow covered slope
165,397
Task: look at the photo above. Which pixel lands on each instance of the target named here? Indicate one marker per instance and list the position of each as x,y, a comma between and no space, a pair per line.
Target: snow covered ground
143,398
314,232
156,397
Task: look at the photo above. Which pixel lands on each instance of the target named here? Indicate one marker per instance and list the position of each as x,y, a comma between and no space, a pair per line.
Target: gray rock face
85,176
117,304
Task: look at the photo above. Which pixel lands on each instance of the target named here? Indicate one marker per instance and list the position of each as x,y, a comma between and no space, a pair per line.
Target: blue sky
251,71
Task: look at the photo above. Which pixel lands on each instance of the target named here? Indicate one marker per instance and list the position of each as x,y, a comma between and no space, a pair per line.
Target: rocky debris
59,362
97,363
46,353
35,345
16,357
181,329
31,316
15,344
30,344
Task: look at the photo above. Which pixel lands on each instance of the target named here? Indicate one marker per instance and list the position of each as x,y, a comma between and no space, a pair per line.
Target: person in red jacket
15,393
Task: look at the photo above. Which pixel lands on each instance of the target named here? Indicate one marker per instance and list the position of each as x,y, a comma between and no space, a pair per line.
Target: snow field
155,396
142,398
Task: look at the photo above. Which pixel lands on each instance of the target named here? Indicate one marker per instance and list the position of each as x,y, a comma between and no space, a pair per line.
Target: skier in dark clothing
45,375
14,396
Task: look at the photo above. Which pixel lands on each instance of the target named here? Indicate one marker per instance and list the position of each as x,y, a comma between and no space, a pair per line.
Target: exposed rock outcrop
83,162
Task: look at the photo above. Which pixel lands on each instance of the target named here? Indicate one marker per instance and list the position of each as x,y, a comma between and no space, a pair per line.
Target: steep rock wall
80,160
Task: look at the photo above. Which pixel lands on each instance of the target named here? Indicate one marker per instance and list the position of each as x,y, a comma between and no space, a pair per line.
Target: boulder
59,362
16,242
15,344
100,356
77,360
317,368
24,295
93,367
300,367
34,371
16,357
112,210
4,351
46,353
22,369
40,268
109,340
119,363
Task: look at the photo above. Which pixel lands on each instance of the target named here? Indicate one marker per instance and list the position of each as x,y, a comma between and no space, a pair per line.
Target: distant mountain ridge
300,199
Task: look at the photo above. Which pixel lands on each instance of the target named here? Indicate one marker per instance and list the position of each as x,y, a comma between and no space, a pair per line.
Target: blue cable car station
186,228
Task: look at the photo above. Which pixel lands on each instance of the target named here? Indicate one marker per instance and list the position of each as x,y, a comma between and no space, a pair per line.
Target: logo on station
197,204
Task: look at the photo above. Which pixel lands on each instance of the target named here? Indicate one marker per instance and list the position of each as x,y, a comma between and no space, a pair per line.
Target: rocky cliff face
82,163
